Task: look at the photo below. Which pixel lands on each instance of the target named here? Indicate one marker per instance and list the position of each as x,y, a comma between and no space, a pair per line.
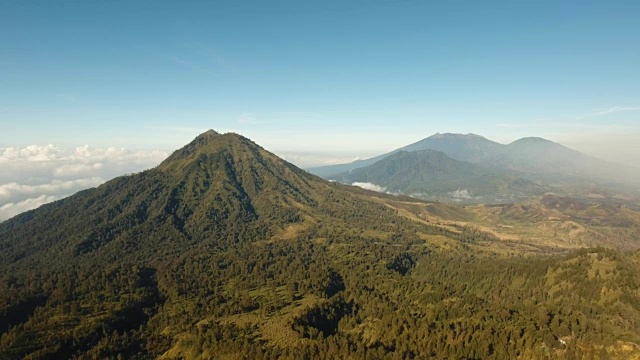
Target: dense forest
225,251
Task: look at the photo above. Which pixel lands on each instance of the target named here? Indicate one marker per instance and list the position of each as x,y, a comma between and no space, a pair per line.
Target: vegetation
226,251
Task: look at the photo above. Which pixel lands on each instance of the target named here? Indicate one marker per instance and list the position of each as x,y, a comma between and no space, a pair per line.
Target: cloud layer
369,186
461,194
38,174
10,210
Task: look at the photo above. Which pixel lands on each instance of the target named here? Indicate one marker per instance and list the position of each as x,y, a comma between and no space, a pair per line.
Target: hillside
226,251
433,175
540,223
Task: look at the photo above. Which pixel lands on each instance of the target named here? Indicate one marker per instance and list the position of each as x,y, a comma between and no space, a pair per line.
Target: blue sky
322,81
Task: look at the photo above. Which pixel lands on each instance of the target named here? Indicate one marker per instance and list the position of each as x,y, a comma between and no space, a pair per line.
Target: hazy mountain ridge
463,147
433,175
527,155
457,146
535,158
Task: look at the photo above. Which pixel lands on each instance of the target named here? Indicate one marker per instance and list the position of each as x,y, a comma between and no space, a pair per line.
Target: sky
315,82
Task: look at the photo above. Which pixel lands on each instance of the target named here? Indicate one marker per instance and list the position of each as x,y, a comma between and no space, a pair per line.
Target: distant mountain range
527,159
433,175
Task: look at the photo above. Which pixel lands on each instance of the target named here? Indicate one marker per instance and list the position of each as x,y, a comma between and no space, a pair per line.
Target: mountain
327,171
226,251
533,158
216,186
469,147
434,175
538,157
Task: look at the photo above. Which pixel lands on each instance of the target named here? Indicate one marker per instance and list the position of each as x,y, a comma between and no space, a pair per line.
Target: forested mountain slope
226,251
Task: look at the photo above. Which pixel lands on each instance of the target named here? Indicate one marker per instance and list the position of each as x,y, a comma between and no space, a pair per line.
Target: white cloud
85,152
369,186
39,153
13,191
46,173
42,162
30,153
461,194
12,209
76,169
